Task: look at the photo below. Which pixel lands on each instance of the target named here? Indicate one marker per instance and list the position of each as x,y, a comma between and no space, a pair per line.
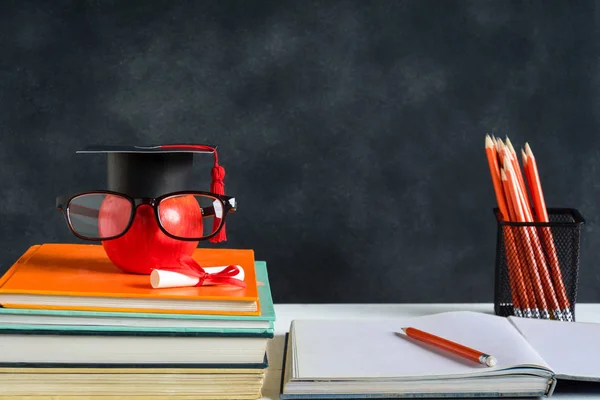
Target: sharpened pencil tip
488,141
499,143
401,333
528,150
509,145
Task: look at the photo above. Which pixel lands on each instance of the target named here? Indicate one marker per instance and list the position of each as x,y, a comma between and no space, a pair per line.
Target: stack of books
73,326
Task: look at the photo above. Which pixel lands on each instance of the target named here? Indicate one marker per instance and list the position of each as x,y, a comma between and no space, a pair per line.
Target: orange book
82,277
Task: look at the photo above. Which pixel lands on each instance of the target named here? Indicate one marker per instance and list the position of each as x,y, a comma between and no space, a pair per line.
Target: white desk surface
285,313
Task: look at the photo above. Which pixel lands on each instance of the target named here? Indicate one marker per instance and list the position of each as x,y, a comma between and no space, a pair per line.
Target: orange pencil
525,290
523,249
547,286
508,152
541,215
520,306
515,163
450,346
520,249
492,158
524,235
538,253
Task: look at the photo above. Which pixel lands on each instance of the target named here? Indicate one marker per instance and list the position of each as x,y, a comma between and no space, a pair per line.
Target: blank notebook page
371,349
571,349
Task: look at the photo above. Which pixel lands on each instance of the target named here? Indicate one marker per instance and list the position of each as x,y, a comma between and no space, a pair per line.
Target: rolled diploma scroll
169,279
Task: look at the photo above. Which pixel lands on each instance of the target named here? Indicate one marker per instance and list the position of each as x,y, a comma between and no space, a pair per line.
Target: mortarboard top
151,171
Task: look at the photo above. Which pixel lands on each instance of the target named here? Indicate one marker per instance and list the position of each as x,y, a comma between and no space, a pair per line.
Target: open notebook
367,359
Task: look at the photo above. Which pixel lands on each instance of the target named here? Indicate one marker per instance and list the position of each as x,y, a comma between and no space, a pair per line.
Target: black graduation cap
152,171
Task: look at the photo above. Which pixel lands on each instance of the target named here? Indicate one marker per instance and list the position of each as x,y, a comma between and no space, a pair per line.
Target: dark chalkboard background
352,131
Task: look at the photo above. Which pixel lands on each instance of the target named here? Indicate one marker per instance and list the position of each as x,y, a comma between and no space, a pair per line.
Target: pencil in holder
537,266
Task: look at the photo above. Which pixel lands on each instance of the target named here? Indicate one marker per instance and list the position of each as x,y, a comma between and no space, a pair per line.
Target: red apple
145,246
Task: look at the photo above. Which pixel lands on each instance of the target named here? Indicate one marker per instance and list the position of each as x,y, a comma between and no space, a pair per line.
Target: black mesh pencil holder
537,266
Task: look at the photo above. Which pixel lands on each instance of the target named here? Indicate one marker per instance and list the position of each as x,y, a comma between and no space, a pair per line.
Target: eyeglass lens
102,216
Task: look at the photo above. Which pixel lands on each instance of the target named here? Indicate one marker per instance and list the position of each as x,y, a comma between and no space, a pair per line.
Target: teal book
153,324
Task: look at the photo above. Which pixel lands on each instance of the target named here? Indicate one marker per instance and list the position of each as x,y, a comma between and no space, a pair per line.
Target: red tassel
218,187
218,174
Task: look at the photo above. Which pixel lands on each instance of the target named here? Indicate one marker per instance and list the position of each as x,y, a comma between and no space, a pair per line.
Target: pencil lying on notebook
450,346
534,272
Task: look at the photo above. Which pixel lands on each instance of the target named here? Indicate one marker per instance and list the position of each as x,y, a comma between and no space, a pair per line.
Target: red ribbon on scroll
190,267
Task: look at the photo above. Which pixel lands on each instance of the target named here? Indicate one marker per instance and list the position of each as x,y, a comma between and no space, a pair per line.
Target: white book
368,359
68,349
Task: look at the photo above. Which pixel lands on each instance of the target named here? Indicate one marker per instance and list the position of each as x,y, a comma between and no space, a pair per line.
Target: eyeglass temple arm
60,202
84,211
208,211
76,208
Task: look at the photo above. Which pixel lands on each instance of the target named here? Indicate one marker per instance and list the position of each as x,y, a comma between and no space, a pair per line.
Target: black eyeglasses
105,215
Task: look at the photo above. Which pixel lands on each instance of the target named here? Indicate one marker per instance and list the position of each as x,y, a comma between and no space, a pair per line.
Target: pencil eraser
490,361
